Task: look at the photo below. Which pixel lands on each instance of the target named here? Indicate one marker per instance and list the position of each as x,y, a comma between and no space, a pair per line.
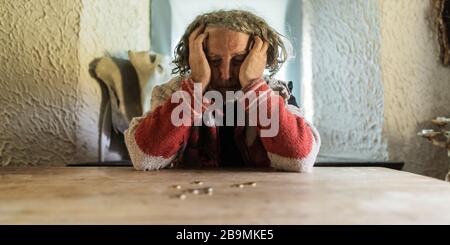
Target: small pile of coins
195,191
204,190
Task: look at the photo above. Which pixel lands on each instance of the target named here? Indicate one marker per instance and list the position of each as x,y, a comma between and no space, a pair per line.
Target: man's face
225,51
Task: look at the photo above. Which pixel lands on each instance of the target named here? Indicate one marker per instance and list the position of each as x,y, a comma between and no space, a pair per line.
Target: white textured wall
346,83
49,104
377,80
417,86
38,81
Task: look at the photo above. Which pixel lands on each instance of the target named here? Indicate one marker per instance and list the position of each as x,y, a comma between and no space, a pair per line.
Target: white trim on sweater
140,160
305,164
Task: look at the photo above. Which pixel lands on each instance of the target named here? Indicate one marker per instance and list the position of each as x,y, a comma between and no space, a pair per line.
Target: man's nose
225,71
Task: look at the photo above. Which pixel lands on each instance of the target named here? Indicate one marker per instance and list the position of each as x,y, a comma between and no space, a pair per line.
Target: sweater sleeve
153,140
294,144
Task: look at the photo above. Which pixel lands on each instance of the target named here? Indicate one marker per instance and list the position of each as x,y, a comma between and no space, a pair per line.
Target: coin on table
208,190
251,184
180,196
238,185
193,191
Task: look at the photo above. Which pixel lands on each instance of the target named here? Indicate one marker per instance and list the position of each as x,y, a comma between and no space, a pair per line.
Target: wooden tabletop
121,195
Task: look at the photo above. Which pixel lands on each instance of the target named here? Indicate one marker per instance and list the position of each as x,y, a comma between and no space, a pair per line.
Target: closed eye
214,62
239,59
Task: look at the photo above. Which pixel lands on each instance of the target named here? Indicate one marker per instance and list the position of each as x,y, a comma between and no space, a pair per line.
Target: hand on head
200,70
254,64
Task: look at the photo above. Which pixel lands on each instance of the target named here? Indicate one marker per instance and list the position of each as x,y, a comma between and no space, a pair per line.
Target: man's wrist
197,81
250,84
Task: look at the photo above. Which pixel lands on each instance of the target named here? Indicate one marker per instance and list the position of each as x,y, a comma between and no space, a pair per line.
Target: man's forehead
223,40
212,53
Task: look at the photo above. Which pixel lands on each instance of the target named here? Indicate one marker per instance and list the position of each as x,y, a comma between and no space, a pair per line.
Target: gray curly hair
236,20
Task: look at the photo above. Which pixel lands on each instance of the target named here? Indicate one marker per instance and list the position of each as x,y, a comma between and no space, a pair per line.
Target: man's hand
254,64
200,70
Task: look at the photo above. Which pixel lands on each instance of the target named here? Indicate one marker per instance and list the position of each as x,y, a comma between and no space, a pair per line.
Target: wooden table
120,195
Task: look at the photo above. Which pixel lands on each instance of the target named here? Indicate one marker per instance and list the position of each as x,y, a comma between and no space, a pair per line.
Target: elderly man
223,52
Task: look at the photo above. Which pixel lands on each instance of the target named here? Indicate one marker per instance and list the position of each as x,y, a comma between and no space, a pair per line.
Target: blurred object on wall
441,17
152,69
440,137
126,89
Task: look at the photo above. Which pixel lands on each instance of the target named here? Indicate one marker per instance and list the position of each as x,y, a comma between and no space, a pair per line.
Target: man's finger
265,47
258,43
199,40
195,34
